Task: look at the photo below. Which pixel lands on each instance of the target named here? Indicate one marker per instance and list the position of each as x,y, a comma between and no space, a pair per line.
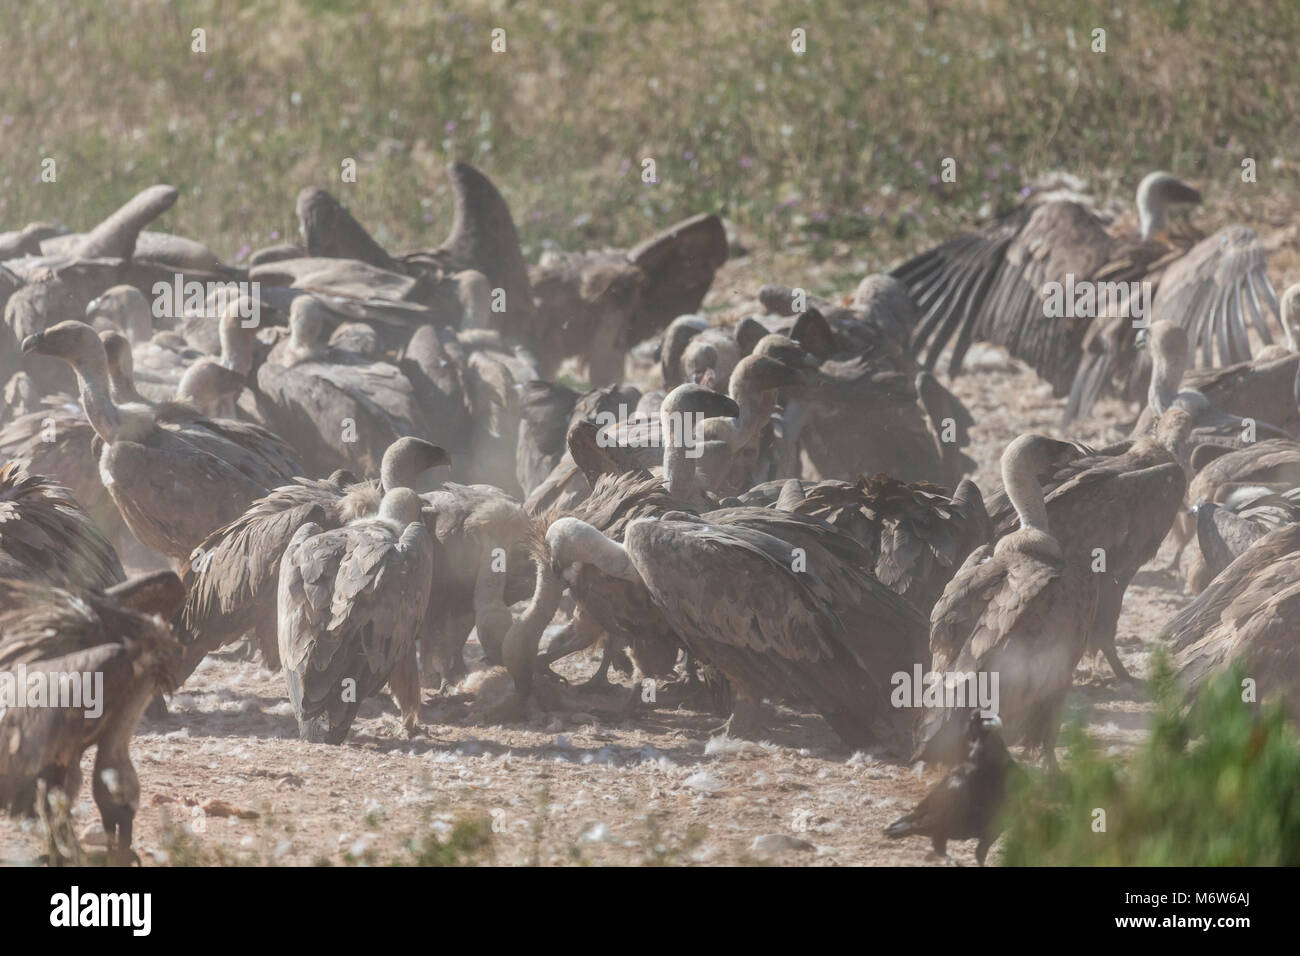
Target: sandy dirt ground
589,778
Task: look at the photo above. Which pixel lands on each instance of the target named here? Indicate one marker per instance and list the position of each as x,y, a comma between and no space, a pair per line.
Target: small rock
770,844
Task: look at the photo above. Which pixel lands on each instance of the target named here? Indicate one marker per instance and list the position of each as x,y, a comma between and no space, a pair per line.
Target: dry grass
841,144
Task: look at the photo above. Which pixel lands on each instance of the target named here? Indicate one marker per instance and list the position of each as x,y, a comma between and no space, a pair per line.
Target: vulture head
74,342
308,326
406,459
1158,194
121,366
125,308
211,387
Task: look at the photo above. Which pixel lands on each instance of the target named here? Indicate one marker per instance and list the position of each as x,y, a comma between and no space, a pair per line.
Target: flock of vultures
352,459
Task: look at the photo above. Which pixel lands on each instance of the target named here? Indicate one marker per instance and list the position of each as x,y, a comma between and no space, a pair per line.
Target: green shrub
1216,784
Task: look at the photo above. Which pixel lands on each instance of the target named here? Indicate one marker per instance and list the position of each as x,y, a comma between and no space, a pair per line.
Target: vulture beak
92,307
33,343
1142,337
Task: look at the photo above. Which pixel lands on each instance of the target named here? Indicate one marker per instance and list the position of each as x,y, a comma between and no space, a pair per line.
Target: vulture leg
267,641
404,684
314,730
61,844
117,794
600,680
747,720
1183,531
982,850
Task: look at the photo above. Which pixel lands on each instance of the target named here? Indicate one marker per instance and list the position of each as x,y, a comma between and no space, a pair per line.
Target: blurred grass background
840,144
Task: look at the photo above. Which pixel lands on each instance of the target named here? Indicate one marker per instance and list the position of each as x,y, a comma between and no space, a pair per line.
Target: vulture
46,537
917,534
1251,610
343,409
967,803
779,603
119,633
1214,421
230,578
1263,389
911,426
72,270
173,477
597,305
623,610
720,453
1020,609
1274,464
1224,531
993,286
592,306
349,605
1139,485
690,346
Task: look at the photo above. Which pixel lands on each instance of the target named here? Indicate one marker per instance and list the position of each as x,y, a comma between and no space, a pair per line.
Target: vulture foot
746,721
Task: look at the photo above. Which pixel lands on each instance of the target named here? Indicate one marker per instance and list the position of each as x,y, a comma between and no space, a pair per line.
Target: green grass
839,145
1216,784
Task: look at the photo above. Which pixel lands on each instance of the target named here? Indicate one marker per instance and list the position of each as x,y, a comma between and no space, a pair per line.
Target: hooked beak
33,343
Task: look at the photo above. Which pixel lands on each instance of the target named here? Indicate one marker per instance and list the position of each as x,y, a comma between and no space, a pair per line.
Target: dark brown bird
967,803
120,634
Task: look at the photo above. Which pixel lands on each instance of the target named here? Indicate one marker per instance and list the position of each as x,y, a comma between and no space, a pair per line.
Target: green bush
1216,784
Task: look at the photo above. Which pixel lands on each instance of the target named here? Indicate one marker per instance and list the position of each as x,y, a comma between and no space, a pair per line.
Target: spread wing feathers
783,604
1210,290
62,632
46,536
350,602
679,264
1021,616
992,287
230,579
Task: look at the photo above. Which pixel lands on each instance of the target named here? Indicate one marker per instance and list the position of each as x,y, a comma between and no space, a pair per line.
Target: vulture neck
519,647
679,467
236,348
1152,216
1025,495
1166,377
121,385
96,399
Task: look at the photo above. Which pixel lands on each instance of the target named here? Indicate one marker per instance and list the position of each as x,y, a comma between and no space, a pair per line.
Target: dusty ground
589,781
